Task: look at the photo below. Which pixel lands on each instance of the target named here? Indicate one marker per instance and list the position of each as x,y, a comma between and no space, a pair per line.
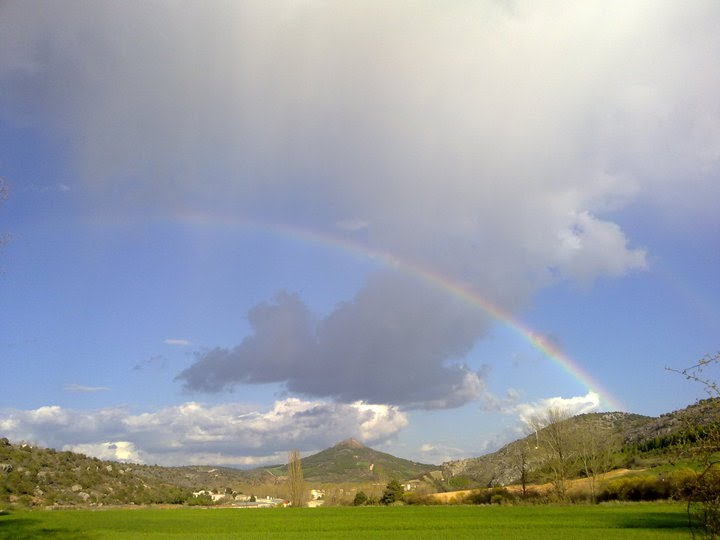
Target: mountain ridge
626,430
37,476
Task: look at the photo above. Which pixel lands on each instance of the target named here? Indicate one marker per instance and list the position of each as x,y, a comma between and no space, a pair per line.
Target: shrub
201,500
457,483
702,493
637,488
393,492
419,499
498,495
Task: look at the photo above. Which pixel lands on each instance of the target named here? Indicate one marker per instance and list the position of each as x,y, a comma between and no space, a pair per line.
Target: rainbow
445,283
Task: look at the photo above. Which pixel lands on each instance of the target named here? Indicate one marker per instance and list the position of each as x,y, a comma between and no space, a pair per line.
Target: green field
431,522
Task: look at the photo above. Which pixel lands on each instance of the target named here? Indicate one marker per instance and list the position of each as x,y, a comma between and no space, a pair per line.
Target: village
230,498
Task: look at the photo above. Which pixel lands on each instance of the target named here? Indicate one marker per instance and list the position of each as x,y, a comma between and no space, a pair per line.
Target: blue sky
220,216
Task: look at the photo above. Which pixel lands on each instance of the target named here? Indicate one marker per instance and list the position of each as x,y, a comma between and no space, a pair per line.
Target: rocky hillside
503,467
626,433
39,476
671,424
32,476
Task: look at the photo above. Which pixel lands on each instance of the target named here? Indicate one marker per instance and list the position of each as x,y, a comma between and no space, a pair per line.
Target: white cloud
231,434
115,451
492,402
177,342
84,389
48,188
611,257
571,406
440,453
377,423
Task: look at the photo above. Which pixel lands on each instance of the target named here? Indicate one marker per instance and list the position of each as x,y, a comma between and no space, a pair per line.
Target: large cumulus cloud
475,139
489,142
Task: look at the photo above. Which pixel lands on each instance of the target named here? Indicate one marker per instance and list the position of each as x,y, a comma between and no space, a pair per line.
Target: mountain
629,434
669,425
501,467
352,461
33,476
39,476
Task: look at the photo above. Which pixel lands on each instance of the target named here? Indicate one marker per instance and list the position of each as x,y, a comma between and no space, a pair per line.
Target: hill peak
350,443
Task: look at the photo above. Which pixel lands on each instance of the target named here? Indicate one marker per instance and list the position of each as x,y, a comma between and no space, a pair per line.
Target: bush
201,500
393,492
702,493
577,496
490,496
533,496
457,483
637,488
360,499
418,499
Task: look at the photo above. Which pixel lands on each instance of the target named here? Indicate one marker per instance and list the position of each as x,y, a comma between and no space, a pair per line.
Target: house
214,496
267,502
411,485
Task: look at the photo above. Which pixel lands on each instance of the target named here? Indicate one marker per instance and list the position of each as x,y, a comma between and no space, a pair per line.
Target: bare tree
553,437
295,479
520,461
701,372
703,493
595,451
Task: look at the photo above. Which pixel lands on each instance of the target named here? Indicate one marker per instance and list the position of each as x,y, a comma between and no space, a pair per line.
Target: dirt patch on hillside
572,485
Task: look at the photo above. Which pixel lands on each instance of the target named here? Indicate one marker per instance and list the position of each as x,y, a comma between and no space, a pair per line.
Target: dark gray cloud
282,345
399,341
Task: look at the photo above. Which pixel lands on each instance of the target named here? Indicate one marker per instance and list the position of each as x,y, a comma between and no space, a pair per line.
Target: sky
237,228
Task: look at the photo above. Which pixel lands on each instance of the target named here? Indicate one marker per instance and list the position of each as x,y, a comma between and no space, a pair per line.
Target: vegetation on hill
622,440
351,461
507,465
36,476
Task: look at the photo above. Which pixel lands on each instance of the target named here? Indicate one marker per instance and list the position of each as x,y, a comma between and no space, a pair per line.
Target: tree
702,493
521,464
295,479
553,436
393,493
595,452
360,498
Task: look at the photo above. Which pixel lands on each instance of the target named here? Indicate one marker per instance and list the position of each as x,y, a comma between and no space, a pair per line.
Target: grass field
415,522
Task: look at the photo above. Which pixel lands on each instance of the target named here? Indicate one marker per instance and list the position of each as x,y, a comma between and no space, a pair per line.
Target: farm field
641,520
